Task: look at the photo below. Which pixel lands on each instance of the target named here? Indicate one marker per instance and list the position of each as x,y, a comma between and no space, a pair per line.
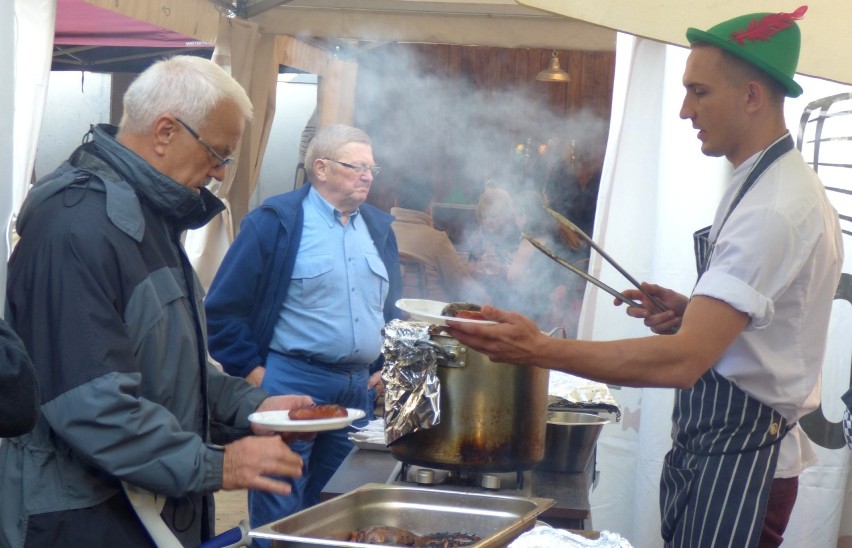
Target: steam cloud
459,134
447,127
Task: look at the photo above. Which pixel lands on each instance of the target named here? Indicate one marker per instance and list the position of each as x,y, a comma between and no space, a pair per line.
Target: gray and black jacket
109,308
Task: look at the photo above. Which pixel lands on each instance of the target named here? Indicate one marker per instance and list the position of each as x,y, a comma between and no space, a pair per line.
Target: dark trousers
322,454
782,497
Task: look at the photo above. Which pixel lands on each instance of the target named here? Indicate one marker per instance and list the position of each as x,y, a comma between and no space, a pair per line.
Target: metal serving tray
497,519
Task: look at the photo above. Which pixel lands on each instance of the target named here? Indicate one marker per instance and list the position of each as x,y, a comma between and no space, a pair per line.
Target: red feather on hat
764,27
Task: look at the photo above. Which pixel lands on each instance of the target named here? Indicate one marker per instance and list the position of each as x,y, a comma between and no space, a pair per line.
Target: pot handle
444,355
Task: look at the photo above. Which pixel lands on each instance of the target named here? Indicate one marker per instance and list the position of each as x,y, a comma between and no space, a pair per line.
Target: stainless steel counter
570,491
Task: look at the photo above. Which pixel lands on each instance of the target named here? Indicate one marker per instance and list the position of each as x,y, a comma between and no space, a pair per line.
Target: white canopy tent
824,29
25,46
652,167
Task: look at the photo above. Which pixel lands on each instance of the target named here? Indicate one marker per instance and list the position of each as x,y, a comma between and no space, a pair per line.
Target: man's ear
756,96
321,169
163,132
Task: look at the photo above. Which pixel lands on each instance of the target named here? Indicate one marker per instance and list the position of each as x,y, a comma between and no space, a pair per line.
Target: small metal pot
493,415
570,440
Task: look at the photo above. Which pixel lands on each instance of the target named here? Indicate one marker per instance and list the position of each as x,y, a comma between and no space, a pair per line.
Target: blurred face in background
495,213
497,219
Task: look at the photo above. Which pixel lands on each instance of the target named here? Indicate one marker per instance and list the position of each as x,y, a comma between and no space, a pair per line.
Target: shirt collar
742,171
325,210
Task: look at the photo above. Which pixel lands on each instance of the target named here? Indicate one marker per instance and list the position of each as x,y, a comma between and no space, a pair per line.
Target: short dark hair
741,70
416,195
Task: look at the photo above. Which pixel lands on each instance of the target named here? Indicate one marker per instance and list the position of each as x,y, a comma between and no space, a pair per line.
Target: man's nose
217,172
685,111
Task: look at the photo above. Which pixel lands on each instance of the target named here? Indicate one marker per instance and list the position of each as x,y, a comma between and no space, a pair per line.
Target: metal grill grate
825,136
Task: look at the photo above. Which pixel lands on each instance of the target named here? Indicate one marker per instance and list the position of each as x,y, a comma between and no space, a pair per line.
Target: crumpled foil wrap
570,392
410,374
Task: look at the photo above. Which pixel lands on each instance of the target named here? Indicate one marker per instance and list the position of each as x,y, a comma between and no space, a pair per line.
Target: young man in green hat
745,351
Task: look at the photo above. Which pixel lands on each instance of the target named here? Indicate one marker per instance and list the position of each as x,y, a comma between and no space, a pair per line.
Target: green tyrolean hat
768,41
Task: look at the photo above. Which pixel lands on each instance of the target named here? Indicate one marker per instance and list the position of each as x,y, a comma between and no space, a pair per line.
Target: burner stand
517,483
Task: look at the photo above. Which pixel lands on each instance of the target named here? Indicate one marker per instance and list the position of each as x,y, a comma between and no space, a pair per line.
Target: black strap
778,149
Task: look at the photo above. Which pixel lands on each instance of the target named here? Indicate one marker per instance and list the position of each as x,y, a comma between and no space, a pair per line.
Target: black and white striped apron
716,479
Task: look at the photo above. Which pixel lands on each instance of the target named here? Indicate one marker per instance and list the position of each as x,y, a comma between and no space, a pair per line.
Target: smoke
460,132
463,135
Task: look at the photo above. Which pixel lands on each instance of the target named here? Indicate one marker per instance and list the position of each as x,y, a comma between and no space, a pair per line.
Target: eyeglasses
222,161
374,170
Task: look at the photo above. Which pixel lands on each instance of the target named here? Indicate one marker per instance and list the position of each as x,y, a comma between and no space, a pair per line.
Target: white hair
184,86
328,142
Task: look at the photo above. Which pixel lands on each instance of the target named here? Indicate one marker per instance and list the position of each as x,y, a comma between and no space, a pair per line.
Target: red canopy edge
82,24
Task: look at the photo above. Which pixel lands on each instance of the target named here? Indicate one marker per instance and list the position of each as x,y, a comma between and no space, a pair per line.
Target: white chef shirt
778,259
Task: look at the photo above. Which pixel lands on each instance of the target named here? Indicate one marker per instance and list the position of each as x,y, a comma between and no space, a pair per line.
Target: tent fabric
824,27
8,29
642,222
656,189
34,23
111,59
197,18
497,23
336,100
34,37
80,23
249,57
91,38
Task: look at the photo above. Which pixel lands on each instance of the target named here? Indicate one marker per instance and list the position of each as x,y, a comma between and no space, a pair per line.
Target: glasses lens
360,170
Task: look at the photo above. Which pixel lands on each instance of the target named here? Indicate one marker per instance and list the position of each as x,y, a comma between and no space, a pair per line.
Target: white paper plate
424,310
371,437
280,421
370,445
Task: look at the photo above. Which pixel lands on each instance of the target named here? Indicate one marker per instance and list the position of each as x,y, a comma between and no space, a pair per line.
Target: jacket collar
412,216
168,198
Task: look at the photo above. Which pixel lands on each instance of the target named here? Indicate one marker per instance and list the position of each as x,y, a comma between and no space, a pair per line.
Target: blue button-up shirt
333,309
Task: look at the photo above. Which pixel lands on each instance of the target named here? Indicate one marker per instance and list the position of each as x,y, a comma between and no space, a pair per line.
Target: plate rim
332,423
441,320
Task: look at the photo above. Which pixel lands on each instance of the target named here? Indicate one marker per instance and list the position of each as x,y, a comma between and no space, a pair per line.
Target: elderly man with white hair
109,308
301,297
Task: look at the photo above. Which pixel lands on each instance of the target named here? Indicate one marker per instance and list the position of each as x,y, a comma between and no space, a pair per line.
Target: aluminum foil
567,391
410,374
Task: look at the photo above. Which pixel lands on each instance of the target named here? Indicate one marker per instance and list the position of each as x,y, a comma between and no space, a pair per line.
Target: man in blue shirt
299,301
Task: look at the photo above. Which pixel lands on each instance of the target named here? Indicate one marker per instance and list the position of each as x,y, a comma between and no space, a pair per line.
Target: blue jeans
321,455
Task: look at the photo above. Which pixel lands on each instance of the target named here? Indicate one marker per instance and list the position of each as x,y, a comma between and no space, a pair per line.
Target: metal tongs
564,221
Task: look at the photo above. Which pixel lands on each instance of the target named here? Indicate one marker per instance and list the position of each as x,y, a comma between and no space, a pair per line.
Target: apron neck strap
777,149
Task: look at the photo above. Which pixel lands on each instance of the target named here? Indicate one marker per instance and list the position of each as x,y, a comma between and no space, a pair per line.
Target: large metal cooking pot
493,415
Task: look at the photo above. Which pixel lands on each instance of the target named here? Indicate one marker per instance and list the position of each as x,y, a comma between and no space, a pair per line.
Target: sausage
455,310
388,536
470,315
315,412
